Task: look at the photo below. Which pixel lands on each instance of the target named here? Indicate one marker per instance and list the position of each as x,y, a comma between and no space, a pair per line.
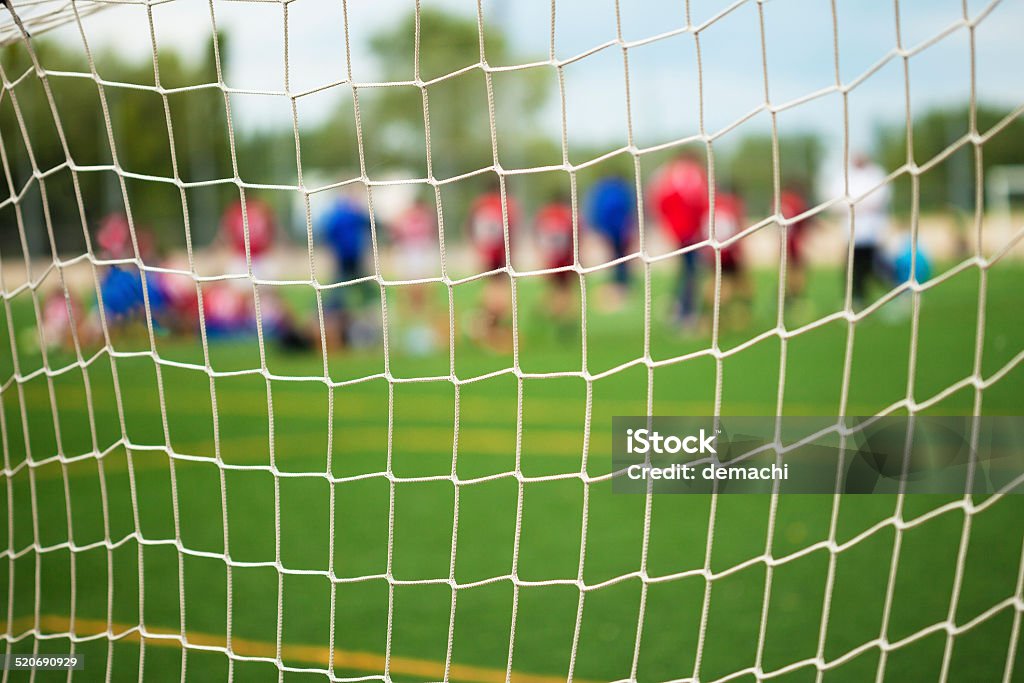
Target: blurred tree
330,148
951,183
459,130
459,115
138,123
748,168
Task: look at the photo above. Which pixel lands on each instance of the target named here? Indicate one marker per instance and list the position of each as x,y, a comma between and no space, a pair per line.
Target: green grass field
171,527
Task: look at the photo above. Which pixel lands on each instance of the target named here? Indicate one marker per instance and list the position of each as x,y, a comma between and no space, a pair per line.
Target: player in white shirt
870,222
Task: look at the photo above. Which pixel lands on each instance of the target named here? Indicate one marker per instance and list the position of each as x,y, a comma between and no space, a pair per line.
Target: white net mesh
104,576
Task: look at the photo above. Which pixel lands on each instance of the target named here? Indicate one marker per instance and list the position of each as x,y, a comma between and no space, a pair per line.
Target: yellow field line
540,409
422,439
254,449
307,654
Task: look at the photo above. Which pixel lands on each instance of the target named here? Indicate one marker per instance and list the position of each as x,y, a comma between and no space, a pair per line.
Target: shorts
348,268
493,259
417,261
559,260
262,269
794,248
562,278
730,262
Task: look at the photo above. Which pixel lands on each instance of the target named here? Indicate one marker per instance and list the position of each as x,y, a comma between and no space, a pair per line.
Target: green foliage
331,146
748,168
142,129
393,125
951,183
459,106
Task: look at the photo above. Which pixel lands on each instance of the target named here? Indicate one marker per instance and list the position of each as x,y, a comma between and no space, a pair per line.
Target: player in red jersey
679,196
487,220
487,227
179,291
792,203
62,318
114,237
735,286
554,232
262,228
416,229
230,306
414,236
126,286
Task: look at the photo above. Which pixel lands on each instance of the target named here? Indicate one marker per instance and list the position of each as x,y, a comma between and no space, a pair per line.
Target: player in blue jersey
345,231
610,211
121,286
122,294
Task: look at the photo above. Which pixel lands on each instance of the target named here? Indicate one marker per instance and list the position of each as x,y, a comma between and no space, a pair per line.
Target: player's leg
492,316
863,256
494,319
338,309
881,267
612,296
621,250
422,327
620,291
799,303
734,296
795,275
743,293
336,320
687,288
561,301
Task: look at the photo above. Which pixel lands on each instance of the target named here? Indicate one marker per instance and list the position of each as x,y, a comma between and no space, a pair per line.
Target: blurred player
228,311
178,290
229,307
258,217
346,232
792,203
487,231
679,197
173,300
61,316
868,188
414,235
487,227
735,295
610,210
554,232
114,237
121,286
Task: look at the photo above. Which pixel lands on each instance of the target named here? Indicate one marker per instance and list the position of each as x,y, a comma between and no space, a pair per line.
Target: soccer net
315,337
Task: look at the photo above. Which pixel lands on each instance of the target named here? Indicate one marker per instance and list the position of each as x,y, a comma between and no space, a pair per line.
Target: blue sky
664,95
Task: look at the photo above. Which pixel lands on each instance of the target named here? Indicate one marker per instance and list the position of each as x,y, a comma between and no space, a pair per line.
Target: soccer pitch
142,546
